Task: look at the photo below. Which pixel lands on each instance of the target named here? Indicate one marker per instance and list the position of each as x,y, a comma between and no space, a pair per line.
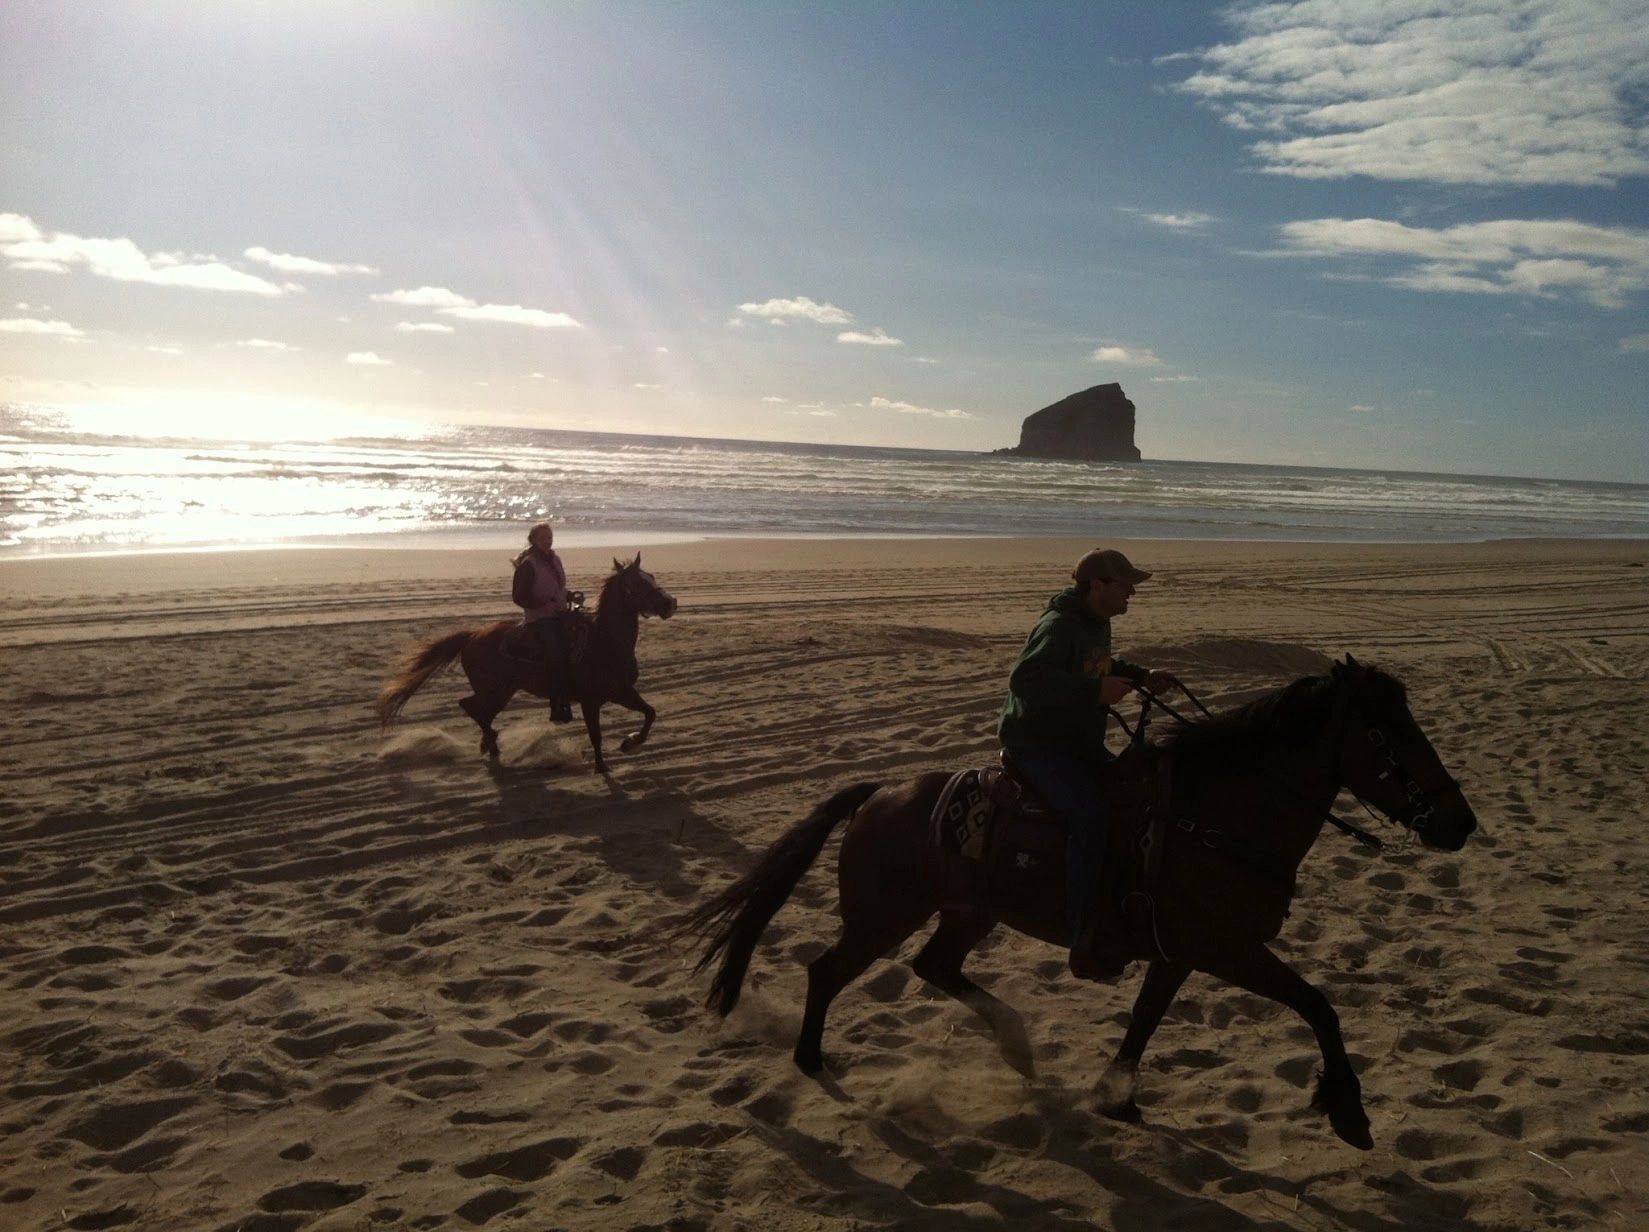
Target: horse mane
1295,711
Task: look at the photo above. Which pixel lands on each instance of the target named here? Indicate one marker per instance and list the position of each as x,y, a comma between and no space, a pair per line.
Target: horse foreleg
1338,1091
592,725
940,964
1156,993
631,700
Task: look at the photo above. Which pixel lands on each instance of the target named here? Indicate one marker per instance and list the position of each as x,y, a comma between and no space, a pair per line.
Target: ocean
64,492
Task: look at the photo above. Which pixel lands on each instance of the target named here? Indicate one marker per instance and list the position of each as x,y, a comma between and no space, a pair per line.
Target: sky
1368,233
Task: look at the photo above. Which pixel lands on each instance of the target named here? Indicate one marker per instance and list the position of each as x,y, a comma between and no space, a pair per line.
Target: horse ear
1350,662
617,565
638,558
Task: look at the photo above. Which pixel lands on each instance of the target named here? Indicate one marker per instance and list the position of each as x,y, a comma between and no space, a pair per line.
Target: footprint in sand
310,1196
525,1163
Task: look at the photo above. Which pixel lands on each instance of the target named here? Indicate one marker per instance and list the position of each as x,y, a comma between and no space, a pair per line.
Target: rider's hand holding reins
1160,681
1112,689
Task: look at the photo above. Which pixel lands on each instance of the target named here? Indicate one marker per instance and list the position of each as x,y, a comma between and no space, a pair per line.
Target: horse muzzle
1447,823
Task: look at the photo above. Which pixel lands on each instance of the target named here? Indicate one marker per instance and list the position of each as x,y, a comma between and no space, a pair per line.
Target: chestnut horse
606,672
1250,791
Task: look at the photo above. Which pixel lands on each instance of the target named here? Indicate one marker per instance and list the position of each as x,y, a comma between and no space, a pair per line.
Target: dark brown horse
1250,792
606,672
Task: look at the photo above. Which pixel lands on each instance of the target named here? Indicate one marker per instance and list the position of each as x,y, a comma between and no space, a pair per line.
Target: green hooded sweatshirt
1053,691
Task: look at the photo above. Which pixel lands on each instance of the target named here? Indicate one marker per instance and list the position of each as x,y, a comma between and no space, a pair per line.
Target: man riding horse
1052,730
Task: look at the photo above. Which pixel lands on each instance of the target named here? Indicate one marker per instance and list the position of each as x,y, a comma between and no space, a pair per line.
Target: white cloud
1126,355
265,344
287,263
367,359
1635,342
661,350
774,399
910,408
801,308
1463,92
1176,379
1547,258
922,359
26,246
513,314
33,325
1189,221
425,297
878,338
422,327
1360,408
158,349
650,385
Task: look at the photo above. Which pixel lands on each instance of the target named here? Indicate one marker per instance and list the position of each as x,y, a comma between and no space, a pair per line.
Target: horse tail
428,660
735,918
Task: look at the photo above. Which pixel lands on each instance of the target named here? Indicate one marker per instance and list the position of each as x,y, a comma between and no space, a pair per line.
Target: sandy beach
264,968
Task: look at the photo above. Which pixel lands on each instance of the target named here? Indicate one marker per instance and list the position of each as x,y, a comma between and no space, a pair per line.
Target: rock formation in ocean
1096,425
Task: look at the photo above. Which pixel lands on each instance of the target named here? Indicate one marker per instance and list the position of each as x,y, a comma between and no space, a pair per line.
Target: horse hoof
1128,1111
1354,1133
628,745
810,1062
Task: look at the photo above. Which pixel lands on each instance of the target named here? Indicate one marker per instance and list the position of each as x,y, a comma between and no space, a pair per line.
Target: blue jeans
1069,783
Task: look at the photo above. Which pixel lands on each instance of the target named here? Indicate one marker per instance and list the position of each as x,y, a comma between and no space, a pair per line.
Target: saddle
521,643
1004,848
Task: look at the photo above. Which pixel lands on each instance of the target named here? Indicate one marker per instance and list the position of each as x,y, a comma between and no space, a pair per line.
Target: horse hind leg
865,938
483,715
940,964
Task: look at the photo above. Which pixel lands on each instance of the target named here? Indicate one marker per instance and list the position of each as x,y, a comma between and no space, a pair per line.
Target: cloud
513,314
33,325
1635,343
158,349
26,246
368,359
1360,408
287,263
1464,92
425,297
801,309
1546,258
910,408
774,399
877,339
1176,379
1126,355
452,304
1190,221
422,327
265,344
648,385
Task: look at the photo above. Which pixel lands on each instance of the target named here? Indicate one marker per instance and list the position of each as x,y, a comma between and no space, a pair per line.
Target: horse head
637,590
1387,761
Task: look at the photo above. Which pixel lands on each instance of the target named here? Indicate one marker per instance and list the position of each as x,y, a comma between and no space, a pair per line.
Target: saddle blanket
999,848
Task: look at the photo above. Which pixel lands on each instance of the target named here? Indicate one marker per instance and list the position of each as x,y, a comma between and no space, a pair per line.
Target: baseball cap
1107,563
